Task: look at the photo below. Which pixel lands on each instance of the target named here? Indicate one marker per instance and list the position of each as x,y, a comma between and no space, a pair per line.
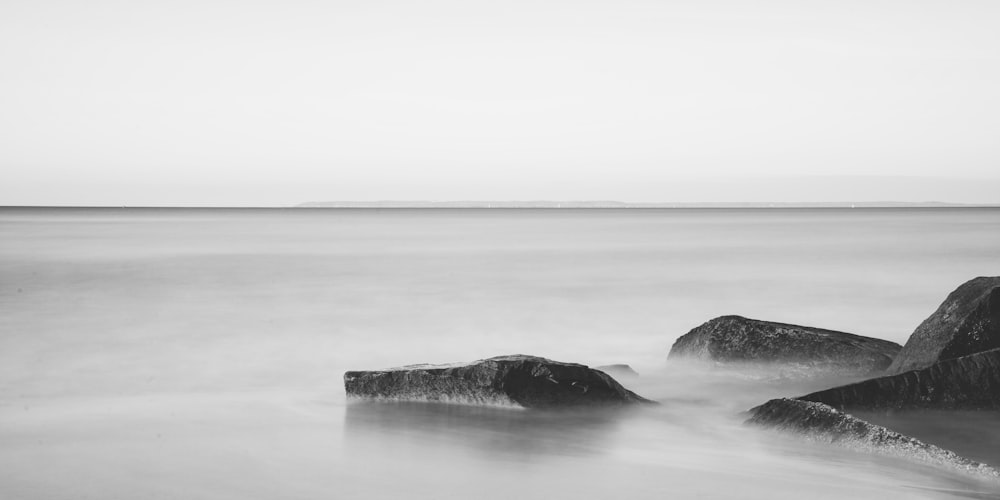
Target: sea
199,353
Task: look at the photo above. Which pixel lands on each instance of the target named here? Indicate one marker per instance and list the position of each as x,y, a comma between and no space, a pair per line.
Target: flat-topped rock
516,380
970,382
823,423
967,322
735,339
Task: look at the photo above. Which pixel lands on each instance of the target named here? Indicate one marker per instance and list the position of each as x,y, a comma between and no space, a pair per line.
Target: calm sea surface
199,353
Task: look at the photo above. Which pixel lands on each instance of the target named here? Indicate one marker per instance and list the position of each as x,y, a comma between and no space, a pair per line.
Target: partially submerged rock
970,382
967,322
735,339
517,380
823,423
621,371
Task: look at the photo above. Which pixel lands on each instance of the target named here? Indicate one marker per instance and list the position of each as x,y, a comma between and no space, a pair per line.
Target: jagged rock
967,322
820,422
517,380
969,382
735,339
620,371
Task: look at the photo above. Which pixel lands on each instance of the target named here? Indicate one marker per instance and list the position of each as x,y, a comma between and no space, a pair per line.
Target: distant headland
621,204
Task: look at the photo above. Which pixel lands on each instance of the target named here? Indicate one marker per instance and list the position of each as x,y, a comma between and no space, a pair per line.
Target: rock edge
969,383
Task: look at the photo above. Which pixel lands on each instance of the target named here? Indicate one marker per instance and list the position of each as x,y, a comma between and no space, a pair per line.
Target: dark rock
820,422
516,380
970,382
967,322
619,371
735,339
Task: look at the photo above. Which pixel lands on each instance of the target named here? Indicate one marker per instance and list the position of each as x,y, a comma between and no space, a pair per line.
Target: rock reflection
504,433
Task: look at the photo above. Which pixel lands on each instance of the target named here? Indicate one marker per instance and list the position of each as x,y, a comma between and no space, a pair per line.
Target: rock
517,380
619,371
970,382
823,423
967,322
735,339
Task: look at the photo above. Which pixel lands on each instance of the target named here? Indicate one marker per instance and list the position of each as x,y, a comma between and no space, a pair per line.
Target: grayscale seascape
200,353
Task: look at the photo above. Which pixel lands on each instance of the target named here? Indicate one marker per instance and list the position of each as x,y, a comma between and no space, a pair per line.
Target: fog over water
199,354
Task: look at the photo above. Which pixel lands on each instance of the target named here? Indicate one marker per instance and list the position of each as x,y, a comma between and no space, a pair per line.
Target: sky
272,103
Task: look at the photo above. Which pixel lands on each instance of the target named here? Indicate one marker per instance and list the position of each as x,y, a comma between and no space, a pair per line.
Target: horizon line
539,204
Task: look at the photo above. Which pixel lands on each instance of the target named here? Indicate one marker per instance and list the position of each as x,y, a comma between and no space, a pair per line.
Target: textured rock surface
742,340
967,322
619,371
517,380
969,382
820,422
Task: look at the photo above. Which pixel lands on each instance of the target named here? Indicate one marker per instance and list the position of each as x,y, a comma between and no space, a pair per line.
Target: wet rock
735,339
621,371
823,423
516,380
970,382
967,322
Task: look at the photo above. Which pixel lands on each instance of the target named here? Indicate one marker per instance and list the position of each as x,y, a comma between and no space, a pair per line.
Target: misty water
199,354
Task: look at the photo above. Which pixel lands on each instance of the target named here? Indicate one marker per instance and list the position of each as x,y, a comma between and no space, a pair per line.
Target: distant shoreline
628,205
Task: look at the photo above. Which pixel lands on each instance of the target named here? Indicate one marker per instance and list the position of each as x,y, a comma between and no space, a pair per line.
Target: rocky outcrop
820,422
969,382
621,371
517,380
735,339
967,322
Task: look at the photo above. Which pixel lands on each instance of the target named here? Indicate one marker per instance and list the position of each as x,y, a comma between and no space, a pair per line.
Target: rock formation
735,339
820,422
517,380
969,382
967,322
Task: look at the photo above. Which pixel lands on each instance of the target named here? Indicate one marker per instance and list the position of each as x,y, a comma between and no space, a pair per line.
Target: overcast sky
249,102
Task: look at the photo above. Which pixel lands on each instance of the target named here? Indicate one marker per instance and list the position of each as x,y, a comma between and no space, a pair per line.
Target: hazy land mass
621,204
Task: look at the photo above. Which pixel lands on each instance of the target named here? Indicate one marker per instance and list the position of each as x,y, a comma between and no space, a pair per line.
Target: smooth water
188,353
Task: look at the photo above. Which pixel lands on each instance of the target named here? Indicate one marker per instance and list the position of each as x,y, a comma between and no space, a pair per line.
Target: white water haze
199,354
